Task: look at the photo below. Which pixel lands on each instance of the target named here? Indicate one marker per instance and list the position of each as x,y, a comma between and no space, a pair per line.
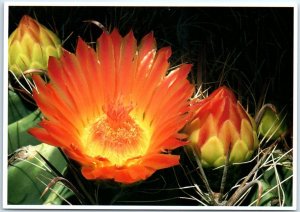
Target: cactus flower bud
272,125
220,126
30,46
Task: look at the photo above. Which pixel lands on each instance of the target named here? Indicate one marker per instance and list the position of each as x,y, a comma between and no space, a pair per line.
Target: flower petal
219,126
114,110
160,161
124,175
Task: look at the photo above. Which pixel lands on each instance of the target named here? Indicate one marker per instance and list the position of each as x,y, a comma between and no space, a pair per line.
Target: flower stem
204,179
224,177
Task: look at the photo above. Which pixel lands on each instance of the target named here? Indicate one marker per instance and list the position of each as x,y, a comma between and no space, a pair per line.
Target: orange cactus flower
221,126
115,111
30,45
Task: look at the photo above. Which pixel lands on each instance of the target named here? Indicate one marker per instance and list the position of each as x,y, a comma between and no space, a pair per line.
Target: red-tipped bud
221,125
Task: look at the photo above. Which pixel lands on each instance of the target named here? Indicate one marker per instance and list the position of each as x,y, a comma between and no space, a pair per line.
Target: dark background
247,49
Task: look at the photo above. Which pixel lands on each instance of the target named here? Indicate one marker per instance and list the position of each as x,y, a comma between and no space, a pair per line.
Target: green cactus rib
17,132
29,174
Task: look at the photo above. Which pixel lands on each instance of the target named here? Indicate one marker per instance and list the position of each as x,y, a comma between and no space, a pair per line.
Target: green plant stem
224,177
204,179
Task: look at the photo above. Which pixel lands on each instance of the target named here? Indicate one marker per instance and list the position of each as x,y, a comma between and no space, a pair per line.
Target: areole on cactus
30,45
219,127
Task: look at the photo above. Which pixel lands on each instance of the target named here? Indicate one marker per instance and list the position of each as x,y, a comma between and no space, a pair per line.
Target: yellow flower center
116,135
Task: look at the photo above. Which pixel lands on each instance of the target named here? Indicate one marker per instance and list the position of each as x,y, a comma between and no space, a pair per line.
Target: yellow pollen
114,133
116,136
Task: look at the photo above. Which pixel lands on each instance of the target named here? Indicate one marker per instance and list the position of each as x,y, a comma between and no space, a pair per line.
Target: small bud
221,126
272,125
30,46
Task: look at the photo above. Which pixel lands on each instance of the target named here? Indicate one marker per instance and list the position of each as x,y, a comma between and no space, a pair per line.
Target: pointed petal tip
26,19
166,51
224,89
129,36
52,59
186,68
31,131
115,32
149,40
82,46
130,32
79,40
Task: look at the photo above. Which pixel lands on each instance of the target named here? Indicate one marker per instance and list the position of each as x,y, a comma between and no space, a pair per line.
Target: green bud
30,46
272,125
